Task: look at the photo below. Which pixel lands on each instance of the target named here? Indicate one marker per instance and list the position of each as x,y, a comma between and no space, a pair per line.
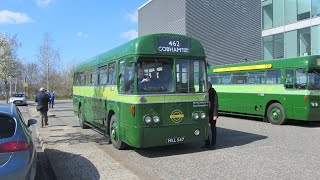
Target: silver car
18,99
18,158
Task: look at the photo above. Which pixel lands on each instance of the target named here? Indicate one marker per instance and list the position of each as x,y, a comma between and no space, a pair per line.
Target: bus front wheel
114,134
275,114
82,119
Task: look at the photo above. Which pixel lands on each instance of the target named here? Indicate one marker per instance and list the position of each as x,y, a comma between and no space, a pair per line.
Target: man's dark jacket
213,98
43,98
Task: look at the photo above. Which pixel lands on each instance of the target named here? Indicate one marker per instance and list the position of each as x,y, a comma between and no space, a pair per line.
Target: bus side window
225,79
239,78
256,78
112,74
301,79
214,79
102,76
273,77
289,79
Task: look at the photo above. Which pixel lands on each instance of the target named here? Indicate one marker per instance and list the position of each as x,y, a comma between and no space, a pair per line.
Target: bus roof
144,45
305,61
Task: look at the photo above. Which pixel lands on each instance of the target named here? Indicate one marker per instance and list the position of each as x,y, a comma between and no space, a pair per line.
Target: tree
10,65
31,76
48,58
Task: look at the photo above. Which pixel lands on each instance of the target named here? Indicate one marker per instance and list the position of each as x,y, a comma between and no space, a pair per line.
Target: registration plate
175,140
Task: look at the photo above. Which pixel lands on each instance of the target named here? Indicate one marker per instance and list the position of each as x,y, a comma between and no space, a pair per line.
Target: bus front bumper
168,135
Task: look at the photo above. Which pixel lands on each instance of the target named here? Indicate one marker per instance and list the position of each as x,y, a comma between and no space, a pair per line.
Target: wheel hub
275,115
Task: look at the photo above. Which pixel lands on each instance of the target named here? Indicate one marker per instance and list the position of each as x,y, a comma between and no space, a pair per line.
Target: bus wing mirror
208,65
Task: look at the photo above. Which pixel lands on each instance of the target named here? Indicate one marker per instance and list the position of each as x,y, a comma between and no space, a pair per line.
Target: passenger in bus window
213,116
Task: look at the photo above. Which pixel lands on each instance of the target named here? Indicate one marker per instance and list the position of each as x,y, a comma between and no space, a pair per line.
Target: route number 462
174,43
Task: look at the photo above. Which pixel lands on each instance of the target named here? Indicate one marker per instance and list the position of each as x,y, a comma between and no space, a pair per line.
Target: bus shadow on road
226,138
310,124
307,124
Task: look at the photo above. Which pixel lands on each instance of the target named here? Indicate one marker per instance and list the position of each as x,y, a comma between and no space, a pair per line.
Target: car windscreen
7,127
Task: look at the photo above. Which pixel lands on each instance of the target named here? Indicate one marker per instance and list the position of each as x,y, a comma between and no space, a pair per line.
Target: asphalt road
246,149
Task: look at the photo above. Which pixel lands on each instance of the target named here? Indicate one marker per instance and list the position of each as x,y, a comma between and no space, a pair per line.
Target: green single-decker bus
276,90
151,91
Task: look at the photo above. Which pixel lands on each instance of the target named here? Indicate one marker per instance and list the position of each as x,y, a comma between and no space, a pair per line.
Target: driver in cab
142,79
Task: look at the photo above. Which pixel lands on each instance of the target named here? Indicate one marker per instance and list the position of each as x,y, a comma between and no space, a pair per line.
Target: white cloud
131,34
82,35
43,3
133,17
9,17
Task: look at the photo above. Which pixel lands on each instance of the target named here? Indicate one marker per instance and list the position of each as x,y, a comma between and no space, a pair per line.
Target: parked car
18,158
18,99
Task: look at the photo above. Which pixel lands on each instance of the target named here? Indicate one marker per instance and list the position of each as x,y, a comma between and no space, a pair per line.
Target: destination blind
172,45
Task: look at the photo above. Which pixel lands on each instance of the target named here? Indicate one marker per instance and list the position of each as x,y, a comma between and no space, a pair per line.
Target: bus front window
154,75
314,79
191,76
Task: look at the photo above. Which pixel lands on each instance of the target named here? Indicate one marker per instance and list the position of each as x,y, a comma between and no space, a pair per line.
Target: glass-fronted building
229,30
290,28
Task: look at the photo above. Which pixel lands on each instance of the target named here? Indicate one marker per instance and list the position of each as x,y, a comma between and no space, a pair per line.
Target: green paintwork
99,103
254,99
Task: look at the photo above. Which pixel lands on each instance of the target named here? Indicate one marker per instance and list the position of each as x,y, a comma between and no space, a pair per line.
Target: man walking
42,98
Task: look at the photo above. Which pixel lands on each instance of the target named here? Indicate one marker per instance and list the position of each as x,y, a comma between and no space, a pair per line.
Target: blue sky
79,29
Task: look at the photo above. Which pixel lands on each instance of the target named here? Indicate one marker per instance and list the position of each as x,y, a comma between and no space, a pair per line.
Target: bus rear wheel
275,114
82,119
114,134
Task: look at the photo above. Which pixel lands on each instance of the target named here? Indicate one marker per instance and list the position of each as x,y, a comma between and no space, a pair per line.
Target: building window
273,46
290,42
268,47
304,42
278,45
315,8
315,43
267,14
278,14
290,11
303,9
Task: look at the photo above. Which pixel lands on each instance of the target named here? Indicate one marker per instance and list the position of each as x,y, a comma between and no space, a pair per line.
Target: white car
18,99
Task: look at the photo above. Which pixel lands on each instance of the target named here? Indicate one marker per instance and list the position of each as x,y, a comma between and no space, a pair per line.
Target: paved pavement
71,154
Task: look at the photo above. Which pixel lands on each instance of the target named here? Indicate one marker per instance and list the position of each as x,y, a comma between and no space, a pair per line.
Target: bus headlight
203,115
195,116
316,104
156,119
147,119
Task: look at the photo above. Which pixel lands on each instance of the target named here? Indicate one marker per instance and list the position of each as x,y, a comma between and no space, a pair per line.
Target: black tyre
275,114
114,134
82,120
